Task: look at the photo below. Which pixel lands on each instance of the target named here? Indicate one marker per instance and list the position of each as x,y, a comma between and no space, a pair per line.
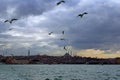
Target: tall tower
28,53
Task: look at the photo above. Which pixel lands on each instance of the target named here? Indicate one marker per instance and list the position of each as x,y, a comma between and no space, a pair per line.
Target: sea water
60,72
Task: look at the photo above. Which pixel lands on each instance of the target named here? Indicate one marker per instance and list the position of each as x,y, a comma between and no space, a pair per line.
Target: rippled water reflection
59,72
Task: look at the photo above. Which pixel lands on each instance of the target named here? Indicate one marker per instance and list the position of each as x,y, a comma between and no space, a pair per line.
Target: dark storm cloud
33,7
101,27
25,7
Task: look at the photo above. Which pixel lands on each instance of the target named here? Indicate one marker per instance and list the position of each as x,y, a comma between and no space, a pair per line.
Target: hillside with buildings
65,59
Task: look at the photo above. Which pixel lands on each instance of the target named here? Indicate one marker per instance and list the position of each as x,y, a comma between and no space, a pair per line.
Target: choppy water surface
59,72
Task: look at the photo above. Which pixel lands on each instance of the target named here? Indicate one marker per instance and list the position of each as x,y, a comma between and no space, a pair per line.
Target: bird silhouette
58,3
65,48
10,21
6,21
63,32
63,39
11,28
82,14
50,33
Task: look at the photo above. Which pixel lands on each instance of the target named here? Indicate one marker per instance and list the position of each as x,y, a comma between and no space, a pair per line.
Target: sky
96,34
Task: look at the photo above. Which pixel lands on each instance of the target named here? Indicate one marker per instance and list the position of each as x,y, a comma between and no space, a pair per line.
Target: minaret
28,53
3,53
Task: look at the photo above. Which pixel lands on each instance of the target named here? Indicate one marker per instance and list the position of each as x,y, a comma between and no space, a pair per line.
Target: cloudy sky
97,34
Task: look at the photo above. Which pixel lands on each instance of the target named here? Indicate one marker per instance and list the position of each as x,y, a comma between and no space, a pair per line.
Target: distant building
1,57
28,53
117,60
67,55
23,61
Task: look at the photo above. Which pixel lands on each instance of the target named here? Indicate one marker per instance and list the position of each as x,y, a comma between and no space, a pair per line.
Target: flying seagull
10,21
50,33
65,48
63,39
82,14
11,28
63,32
58,3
